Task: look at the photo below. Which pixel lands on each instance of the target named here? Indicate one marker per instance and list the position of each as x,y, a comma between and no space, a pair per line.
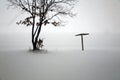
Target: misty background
93,16
100,18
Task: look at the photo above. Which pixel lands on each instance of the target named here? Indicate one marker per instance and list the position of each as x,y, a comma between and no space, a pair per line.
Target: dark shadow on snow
40,51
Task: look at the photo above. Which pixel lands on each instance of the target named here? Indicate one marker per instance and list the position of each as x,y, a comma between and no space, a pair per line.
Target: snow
59,62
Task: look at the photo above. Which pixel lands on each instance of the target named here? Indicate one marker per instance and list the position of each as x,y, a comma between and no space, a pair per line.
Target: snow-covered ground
61,59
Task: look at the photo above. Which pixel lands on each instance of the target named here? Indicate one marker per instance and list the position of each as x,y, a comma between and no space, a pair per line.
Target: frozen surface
60,65
59,62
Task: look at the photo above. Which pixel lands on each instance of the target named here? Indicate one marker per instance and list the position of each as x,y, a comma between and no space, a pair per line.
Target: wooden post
82,39
82,43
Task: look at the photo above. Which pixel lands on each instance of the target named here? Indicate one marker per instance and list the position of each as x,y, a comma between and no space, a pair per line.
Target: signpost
82,34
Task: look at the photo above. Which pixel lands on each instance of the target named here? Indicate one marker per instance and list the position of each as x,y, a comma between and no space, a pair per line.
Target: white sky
94,16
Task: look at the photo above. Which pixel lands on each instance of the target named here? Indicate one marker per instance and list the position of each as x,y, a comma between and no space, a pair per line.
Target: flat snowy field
61,59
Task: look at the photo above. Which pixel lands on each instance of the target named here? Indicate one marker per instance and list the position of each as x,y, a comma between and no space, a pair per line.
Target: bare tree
41,13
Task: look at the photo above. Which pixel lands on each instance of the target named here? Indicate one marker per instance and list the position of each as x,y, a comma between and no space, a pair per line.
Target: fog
61,41
94,16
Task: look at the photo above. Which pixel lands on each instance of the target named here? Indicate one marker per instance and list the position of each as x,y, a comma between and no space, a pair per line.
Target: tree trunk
35,38
35,47
33,35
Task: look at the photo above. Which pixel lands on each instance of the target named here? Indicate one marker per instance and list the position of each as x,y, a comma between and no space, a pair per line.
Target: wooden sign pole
82,39
82,43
